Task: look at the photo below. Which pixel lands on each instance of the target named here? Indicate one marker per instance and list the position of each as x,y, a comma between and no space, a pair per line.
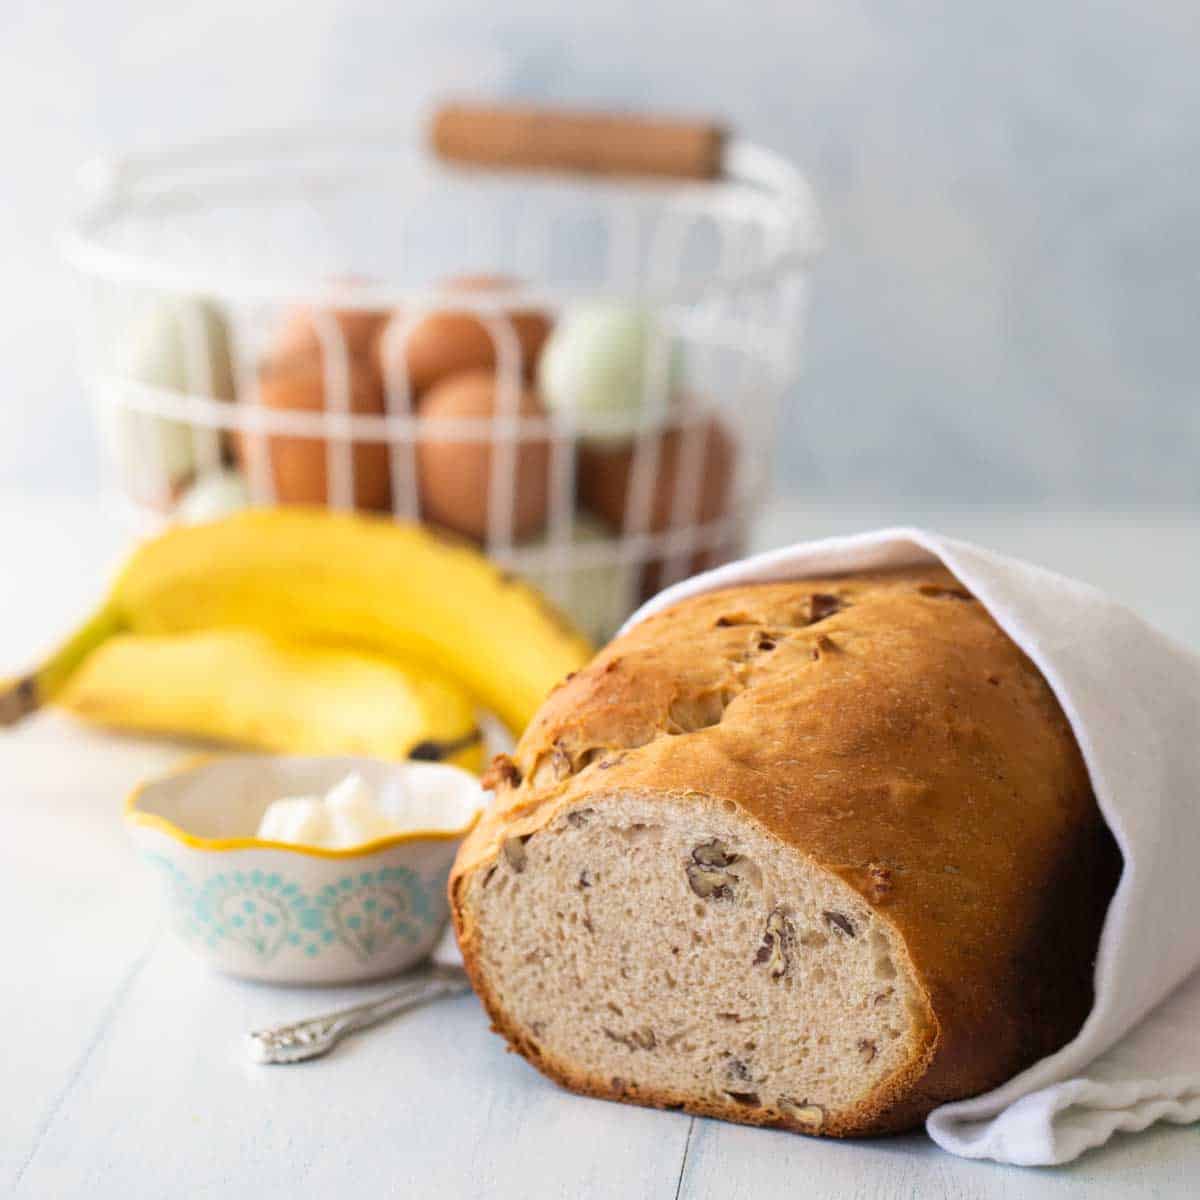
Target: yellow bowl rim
147,820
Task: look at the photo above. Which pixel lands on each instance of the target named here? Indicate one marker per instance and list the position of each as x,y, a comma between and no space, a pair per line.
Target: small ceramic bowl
303,914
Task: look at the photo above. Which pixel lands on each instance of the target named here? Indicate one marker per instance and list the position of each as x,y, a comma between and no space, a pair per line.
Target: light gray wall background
1006,309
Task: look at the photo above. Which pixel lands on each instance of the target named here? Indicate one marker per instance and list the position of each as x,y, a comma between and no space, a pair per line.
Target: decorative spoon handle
302,1040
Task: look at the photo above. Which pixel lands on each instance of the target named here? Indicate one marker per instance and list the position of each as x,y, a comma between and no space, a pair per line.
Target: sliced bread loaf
820,855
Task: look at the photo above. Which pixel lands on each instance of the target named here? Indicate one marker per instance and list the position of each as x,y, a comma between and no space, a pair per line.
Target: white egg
177,345
213,496
612,367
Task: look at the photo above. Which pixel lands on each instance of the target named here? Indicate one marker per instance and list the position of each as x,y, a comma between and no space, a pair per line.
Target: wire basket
581,374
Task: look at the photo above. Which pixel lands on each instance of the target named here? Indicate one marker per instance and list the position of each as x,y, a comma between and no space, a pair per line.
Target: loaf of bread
820,855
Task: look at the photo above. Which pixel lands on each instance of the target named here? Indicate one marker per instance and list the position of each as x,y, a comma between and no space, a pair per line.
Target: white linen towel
1133,699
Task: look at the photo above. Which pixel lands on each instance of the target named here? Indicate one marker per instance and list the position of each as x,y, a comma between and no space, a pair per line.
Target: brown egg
605,473
454,477
300,333
447,343
296,383
604,479
653,577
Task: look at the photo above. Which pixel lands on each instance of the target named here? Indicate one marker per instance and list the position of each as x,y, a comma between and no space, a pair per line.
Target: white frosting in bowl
352,812
228,798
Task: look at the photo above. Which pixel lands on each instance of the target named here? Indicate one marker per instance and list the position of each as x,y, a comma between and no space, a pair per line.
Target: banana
307,575
252,690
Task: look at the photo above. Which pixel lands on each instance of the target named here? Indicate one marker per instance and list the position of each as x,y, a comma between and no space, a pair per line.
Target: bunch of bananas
308,631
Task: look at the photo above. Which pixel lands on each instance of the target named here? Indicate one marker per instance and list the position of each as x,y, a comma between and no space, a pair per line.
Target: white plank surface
729,1162
429,1106
122,1074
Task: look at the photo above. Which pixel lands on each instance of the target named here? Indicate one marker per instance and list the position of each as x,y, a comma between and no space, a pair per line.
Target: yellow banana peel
248,689
370,584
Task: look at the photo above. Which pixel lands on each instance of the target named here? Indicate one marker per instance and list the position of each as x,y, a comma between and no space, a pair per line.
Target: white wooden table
122,1072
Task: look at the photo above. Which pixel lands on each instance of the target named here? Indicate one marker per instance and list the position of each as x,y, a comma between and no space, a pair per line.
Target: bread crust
883,726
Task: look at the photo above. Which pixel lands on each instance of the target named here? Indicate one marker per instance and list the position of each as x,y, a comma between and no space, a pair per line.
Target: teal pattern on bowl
265,915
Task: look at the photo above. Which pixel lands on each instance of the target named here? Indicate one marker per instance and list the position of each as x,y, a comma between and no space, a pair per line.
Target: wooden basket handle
591,143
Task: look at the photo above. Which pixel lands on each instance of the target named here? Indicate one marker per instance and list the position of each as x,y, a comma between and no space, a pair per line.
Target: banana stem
433,750
18,699
28,693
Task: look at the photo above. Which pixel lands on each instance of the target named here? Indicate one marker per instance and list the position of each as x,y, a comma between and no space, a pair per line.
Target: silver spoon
303,1040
